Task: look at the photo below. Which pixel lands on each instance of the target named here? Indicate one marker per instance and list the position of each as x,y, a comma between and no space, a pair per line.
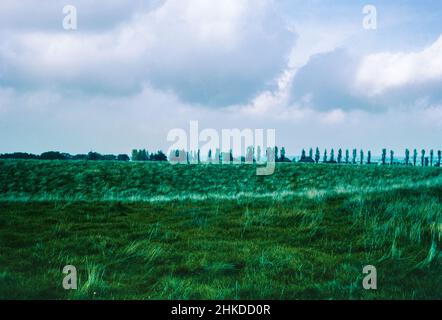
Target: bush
53,155
109,157
94,156
123,157
159,156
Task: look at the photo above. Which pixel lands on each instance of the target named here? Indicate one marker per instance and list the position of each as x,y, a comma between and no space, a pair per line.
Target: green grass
157,231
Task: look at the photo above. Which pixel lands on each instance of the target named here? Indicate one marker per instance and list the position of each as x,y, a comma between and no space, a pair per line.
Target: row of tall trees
424,160
340,157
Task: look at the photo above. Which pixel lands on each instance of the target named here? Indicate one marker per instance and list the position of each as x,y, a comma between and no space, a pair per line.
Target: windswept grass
33,180
157,231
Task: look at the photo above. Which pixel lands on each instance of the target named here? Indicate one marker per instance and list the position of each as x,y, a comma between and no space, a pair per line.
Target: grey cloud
157,46
213,78
327,82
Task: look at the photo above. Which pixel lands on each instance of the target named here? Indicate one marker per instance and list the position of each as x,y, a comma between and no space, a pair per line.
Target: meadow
146,230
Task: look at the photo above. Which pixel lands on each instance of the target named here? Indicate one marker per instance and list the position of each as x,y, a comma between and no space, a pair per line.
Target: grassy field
158,231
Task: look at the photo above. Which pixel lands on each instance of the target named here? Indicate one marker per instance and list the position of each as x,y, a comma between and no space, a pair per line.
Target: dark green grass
150,238
116,181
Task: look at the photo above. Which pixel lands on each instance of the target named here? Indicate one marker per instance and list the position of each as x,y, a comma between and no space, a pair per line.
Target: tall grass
156,231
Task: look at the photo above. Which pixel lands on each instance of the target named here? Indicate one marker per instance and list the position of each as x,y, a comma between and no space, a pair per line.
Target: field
141,230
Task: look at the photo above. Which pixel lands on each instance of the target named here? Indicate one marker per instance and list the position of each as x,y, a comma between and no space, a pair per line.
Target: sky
133,71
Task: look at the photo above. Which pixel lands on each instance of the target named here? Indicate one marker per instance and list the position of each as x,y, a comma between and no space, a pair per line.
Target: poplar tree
303,154
143,155
317,155
282,159
134,155
339,155
332,155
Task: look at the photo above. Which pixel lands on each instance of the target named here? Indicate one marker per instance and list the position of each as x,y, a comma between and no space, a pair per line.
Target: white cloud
212,53
381,72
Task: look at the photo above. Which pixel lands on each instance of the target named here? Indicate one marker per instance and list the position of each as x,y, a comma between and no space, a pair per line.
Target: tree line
137,155
341,157
423,159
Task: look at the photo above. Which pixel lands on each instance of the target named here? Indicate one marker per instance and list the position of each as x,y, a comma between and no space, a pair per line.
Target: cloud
326,83
213,54
341,79
381,72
